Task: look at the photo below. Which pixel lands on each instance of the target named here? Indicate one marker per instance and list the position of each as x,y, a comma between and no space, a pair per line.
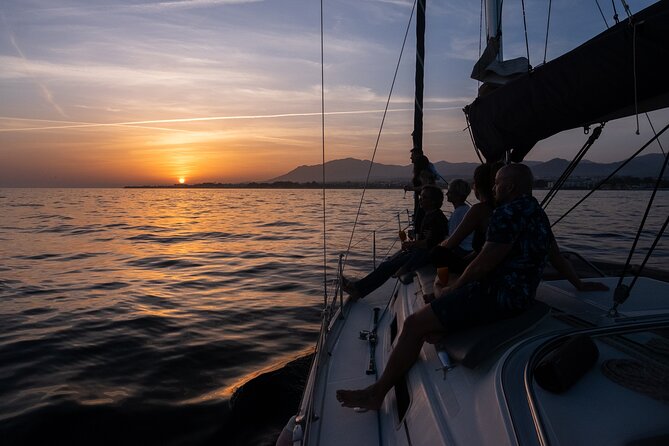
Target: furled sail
618,73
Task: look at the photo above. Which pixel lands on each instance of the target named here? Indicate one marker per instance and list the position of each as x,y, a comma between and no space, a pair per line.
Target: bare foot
363,398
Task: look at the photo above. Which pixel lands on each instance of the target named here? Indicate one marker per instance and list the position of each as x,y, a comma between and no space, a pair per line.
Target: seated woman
450,253
457,193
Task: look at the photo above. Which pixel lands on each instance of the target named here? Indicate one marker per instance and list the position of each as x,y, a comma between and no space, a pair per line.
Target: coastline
357,185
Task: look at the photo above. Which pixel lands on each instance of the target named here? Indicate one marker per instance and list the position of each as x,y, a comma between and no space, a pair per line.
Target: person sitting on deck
450,252
457,193
413,254
499,283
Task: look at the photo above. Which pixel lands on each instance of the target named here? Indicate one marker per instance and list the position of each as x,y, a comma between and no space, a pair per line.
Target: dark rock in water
261,407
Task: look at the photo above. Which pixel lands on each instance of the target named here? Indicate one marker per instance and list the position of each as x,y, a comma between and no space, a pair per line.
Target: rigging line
527,43
471,136
636,99
660,176
652,127
499,19
602,14
615,11
627,9
378,137
601,183
390,249
325,258
478,83
572,166
384,225
480,28
548,25
650,251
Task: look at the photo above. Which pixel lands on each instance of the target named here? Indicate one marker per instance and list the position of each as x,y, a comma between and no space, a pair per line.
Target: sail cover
592,83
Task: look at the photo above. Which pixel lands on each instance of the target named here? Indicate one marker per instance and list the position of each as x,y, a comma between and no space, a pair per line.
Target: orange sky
121,93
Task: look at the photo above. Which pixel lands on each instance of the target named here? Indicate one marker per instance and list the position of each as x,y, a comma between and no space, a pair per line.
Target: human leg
382,273
417,258
455,259
416,327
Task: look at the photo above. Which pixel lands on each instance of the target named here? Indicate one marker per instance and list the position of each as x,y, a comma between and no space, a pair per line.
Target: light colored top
455,220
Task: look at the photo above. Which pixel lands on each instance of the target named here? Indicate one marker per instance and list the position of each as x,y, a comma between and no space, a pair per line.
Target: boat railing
334,308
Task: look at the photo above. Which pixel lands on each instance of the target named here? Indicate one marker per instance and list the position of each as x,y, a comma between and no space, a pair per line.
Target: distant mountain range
355,170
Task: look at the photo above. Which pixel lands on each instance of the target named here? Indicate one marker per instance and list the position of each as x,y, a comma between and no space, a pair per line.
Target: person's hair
422,163
484,178
435,193
460,188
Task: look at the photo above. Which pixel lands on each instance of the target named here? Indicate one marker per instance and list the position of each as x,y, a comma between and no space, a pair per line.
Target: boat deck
489,403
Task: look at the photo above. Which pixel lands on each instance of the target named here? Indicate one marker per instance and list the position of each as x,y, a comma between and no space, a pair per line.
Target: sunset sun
182,180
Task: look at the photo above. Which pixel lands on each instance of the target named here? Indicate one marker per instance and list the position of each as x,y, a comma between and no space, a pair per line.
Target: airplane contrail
70,125
76,124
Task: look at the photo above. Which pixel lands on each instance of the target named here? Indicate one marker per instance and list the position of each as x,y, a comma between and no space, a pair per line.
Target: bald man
500,282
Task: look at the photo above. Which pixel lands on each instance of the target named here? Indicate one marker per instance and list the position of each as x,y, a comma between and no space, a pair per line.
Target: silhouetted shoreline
539,185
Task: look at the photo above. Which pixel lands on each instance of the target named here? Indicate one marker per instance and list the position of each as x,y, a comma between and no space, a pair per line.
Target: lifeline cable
643,220
601,183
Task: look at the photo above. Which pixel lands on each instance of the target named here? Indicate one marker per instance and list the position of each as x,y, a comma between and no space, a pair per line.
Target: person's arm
491,255
467,226
564,267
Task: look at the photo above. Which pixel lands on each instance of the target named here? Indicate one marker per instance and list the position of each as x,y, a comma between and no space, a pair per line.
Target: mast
417,134
493,18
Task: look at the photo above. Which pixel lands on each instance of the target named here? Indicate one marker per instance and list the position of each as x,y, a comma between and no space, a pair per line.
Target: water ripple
161,262
118,313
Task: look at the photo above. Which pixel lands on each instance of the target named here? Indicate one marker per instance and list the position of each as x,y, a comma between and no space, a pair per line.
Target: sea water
129,316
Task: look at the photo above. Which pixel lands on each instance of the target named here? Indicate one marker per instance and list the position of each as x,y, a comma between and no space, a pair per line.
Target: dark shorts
468,306
455,259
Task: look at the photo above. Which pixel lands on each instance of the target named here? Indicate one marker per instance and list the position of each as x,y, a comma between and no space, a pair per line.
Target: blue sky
102,93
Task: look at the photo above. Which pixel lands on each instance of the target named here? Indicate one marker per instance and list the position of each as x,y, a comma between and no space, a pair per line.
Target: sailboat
578,367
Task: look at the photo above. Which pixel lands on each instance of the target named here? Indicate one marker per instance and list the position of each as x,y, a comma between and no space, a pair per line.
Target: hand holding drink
403,235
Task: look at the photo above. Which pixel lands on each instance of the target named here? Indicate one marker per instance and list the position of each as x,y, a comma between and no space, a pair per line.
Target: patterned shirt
525,225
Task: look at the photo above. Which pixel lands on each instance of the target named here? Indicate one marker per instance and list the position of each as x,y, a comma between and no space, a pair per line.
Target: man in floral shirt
499,283
520,222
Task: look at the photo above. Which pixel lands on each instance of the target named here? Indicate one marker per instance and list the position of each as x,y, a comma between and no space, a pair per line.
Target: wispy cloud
44,91
187,4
